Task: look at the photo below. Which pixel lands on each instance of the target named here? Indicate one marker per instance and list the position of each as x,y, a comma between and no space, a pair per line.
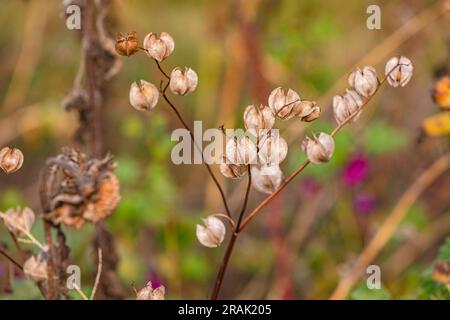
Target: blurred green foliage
431,289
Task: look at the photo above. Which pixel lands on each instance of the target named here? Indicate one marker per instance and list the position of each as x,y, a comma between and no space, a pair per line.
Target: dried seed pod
364,81
183,82
159,48
128,44
266,179
11,159
284,105
76,190
232,171
35,268
18,221
399,71
241,151
308,111
272,149
258,118
143,97
211,233
106,200
319,149
346,105
148,293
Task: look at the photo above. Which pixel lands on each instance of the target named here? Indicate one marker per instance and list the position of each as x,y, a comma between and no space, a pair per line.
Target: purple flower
309,186
154,278
356,170
364,203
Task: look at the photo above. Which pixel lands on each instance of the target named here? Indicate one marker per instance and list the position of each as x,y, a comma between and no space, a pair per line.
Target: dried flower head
75,190
233,171
441,272
18,221
441,92
266,179
347,105
399,71
183,82
148,293
128,44
241,151
284,105
11,159
258,118
143,97
35,268
212,232
364,81
159,48
319,149
308,111
272,149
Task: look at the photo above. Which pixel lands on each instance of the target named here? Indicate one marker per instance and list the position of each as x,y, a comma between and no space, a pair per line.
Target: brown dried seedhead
76,190
441,272
127,44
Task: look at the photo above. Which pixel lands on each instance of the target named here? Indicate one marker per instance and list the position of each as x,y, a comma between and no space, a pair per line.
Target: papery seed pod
211,233
143,97
232,171
309,111
159,48
258,118
284,105
183,82
148,293
399,71
241,151
35,268
346,105
364,81
11,159
319,149
266,179
127,45
18,221
272,149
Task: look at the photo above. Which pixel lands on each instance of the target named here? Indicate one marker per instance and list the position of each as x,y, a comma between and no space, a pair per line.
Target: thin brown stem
99,273
186,126
51,287
18,247
96,129
80,292
213,177
230,247
247,195
161,69
13,261
266,201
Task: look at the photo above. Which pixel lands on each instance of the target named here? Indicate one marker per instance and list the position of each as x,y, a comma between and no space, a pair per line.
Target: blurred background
306,238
